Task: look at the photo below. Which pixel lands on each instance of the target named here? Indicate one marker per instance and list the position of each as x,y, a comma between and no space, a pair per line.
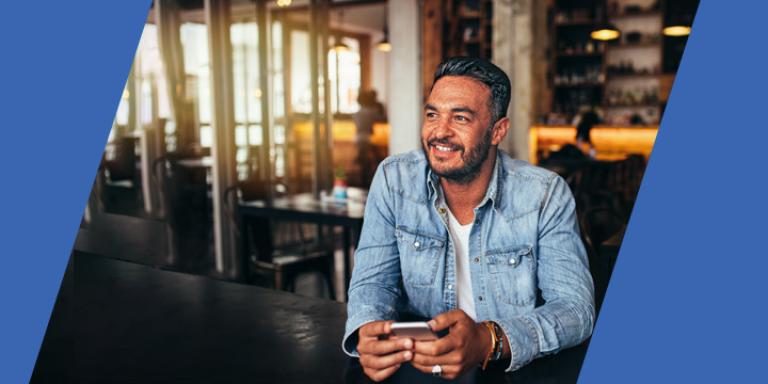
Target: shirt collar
433,183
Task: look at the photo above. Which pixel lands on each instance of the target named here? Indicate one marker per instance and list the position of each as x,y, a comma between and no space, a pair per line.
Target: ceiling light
605,33
677,30
384,45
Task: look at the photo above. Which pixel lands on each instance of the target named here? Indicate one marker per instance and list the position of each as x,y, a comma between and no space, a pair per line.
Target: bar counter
610,143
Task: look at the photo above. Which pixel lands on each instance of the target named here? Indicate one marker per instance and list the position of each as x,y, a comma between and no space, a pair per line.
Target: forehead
459,90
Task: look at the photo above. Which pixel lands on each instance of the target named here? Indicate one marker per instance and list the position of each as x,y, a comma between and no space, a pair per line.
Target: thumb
446,320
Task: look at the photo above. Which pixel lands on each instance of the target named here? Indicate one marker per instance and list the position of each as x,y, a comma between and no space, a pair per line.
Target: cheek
426,131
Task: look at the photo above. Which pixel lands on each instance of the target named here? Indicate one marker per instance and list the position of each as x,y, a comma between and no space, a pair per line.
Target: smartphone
417,330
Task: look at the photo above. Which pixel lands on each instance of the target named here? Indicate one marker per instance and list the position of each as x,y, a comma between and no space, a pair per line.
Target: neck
462,198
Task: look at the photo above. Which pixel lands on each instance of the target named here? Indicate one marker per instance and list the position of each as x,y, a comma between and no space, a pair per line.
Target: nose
442,129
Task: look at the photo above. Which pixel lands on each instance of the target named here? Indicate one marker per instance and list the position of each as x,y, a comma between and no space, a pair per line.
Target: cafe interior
248,131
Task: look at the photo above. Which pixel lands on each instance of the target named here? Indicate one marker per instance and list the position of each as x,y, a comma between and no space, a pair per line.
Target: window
194,40
248,92
344,75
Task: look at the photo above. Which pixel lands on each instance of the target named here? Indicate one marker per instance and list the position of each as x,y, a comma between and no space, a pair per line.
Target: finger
384,347
446,319
374,329
435,348
383,373
446,359
421,367
449,371
383,362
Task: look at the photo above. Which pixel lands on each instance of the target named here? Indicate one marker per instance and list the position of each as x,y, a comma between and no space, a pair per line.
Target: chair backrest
601,223
122,165
598,225
258,230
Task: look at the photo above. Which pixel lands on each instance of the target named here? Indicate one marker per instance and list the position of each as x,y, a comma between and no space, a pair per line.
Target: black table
307,209
119,322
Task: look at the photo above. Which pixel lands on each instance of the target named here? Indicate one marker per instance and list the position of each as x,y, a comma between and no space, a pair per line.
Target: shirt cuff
349,343
523,341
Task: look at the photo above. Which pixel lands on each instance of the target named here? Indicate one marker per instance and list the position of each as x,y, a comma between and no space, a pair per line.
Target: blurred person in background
371,111
584,124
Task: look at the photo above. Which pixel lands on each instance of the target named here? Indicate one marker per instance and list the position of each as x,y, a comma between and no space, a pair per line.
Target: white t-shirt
460,236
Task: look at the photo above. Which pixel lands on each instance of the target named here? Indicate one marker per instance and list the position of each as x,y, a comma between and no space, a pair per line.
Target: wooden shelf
650,13
470,15
576,23
580,55
632,76
582,85
633,45
646,105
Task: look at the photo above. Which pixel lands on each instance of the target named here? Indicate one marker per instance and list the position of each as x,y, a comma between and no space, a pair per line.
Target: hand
381,355
465,347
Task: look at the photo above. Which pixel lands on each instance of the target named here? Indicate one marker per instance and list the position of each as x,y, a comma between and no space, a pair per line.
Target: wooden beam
365,61
431,43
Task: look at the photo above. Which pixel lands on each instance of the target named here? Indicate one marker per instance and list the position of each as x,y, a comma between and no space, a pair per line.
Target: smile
443,148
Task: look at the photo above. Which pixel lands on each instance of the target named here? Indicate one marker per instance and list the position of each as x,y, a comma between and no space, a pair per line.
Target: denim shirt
528,266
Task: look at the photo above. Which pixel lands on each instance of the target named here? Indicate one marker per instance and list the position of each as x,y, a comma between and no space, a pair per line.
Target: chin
441,167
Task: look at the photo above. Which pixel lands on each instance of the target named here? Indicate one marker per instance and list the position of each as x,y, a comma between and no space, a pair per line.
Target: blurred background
248,131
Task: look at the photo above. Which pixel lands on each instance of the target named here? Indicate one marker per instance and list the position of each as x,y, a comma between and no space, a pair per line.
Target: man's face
458,132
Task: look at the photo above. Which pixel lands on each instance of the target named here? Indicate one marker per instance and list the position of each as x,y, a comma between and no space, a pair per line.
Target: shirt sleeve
568,314
374,292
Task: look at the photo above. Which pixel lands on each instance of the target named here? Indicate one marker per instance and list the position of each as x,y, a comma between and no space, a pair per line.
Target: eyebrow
431,107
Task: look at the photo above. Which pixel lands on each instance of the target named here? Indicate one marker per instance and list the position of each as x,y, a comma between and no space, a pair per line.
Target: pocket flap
511,258
418,241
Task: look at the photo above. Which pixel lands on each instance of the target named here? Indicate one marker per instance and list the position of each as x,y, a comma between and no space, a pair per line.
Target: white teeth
443,149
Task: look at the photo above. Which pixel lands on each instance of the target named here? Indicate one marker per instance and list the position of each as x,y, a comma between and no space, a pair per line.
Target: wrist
499,351
492,350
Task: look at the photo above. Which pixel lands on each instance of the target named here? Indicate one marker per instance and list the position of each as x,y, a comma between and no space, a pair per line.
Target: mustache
445,143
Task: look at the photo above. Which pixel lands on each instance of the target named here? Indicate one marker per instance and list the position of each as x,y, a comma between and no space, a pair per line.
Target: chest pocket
419,256
512,272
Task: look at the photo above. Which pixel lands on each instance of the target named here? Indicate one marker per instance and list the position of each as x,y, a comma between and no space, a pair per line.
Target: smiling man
486,246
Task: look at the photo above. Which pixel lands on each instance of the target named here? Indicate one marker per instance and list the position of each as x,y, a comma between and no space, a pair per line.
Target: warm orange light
605,34
340,48
677,30
611,143
283,3
384,46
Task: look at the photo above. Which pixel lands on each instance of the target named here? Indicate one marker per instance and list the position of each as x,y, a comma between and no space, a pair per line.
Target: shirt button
442,210
417,244
477,259
480,298
477,221
512,261
450,286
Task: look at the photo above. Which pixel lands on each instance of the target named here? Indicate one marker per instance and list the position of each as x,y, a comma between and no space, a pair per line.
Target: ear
500,130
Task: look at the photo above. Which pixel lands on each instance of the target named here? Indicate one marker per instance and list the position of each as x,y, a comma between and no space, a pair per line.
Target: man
486,246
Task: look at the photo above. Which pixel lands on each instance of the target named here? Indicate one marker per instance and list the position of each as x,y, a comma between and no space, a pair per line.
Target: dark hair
485,72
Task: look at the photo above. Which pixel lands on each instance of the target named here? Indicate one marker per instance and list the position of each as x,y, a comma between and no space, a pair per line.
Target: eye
431,115
461,118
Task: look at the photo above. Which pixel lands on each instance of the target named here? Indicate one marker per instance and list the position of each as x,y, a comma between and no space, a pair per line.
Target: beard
472,160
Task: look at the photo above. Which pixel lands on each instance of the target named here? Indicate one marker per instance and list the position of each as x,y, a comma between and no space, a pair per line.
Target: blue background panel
687,300
63,68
